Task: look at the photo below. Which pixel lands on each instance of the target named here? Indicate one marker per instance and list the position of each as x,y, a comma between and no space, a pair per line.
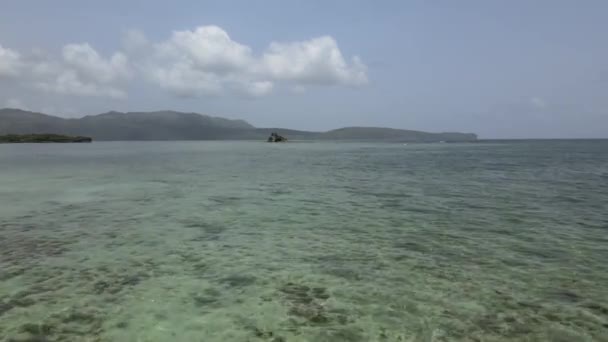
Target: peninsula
42,138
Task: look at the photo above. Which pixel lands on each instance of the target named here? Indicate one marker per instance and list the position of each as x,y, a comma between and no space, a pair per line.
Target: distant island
42,138
172,125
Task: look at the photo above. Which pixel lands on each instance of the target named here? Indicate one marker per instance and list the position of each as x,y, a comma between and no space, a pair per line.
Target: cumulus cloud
204,61
80,70
207,61
184,80
10,63
207,48
316,61
83,59
69,82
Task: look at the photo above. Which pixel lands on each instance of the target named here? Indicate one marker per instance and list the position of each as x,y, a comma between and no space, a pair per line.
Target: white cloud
315,61
181,78
69,82
80,70
83,72
84,60
208,48
206,61
10,63
538,102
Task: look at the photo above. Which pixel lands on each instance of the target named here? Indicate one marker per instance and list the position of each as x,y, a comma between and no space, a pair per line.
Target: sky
501,69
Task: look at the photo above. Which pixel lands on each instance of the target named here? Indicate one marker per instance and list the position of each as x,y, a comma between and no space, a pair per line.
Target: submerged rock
308,303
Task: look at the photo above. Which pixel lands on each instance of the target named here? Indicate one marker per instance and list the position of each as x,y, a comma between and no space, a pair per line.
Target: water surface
246,241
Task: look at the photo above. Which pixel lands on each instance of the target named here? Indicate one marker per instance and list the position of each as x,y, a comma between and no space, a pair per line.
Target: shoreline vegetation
42,138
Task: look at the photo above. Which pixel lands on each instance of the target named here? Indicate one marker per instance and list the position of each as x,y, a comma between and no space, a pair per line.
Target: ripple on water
356,242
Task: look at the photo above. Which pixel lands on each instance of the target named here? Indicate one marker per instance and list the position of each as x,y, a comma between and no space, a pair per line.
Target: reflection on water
237,241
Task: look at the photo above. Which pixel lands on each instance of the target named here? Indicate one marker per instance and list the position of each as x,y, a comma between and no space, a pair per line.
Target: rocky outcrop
274,137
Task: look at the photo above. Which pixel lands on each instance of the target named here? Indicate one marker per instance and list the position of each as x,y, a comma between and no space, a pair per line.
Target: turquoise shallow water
244,241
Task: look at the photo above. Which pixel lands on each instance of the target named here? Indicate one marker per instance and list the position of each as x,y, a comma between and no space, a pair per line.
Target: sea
304,241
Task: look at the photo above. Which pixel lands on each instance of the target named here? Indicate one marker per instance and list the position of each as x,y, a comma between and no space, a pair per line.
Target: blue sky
502,69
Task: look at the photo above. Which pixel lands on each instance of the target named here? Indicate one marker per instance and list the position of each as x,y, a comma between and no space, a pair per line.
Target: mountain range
172,125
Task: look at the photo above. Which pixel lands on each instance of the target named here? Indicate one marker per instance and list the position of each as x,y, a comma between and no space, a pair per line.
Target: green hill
172,125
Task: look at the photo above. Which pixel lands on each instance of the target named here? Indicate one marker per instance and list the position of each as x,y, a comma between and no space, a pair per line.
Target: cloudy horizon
516,70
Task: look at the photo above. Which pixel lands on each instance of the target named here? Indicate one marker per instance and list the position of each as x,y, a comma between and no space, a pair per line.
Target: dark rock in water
37,329
5,307
603,310
122,325
307,303
319,318
319,293
116,282
101,286
203,301
274,137
262,333
238,280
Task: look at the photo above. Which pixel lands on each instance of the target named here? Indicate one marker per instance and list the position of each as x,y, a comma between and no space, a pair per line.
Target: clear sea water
247,241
